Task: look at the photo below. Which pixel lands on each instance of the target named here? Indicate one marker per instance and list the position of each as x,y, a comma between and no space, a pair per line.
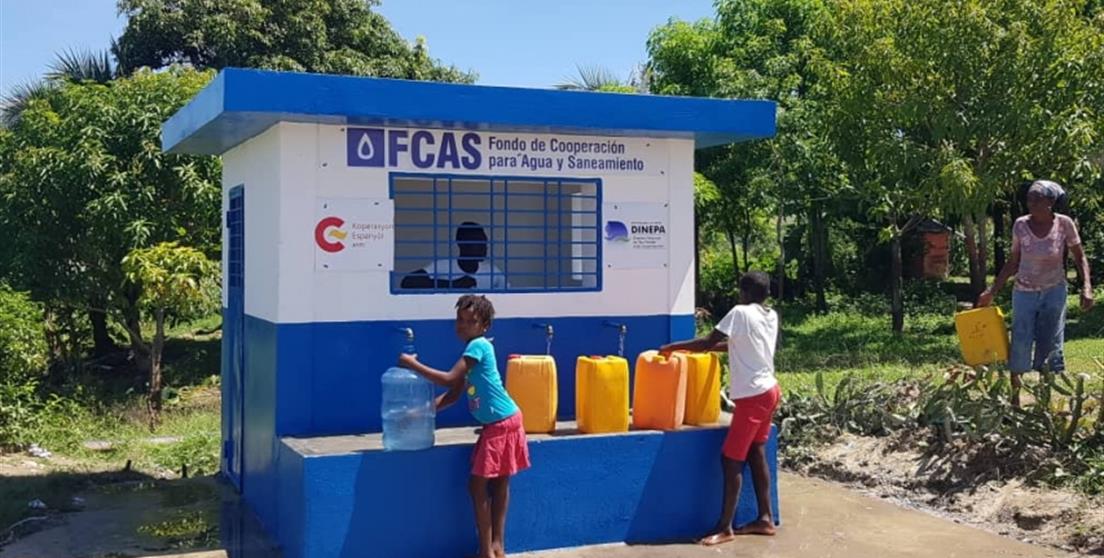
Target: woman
1039,295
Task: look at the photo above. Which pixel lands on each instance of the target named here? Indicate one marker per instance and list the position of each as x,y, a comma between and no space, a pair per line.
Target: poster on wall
635,235
354,234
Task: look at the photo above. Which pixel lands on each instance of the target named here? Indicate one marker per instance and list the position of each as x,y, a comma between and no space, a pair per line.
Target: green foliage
943,104
755,49
175,280
198,451
325,36
187,529
84,182
23,351
964,414
23,359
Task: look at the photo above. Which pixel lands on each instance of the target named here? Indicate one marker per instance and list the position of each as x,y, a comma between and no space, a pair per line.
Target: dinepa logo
617,231
419,149
327,229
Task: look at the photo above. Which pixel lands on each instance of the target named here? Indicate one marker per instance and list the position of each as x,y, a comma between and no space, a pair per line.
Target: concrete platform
341,495
826,520
338,445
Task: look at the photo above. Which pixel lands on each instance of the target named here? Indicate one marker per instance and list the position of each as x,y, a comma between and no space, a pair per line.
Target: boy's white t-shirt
752,331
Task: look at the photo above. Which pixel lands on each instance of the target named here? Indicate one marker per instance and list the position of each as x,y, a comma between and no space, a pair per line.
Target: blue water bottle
408,407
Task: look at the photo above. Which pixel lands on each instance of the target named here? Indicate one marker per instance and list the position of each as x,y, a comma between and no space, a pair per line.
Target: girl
502,450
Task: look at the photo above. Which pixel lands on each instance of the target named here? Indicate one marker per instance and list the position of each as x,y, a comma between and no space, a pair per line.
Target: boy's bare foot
720,537
760,527
499,551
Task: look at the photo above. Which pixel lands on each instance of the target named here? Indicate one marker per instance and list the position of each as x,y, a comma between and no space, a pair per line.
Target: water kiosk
358,209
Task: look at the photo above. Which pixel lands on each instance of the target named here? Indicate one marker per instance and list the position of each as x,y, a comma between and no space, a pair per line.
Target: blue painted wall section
640,487
324,378
239,104
259,421
339,364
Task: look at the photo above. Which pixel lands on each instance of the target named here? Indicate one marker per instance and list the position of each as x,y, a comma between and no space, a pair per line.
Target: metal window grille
541,234
235,227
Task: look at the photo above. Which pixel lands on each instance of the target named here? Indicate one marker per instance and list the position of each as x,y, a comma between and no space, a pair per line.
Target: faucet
408,337
548,334
622,332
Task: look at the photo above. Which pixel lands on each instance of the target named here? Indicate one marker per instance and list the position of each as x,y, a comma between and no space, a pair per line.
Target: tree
84,182
70,67
176,283
756,49
325,36
937,107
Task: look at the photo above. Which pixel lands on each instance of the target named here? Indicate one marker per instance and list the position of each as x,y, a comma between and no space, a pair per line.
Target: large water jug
602,394
531,383
409,412
659,401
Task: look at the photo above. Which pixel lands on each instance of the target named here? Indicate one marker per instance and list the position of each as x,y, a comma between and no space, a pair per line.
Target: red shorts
751,423
502,449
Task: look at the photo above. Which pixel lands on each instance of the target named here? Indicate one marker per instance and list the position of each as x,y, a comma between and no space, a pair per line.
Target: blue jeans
1039,319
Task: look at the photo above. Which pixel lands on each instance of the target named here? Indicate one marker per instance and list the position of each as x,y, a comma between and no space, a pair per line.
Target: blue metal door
233,340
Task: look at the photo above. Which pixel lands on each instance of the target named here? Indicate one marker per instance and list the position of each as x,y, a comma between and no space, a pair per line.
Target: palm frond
78,66
16,101
590,78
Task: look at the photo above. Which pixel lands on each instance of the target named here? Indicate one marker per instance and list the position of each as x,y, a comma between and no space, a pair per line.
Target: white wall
254,164
290,166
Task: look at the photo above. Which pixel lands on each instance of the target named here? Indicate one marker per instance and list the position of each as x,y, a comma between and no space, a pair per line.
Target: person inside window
470,270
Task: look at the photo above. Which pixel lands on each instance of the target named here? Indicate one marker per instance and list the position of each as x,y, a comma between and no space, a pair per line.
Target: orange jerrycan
602,394
703,388
983,335
531,383
659,401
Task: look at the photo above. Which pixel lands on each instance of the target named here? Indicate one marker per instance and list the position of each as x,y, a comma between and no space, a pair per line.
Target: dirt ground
888,469
820,518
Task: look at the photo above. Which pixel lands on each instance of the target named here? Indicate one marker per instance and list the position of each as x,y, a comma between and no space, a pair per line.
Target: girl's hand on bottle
408,361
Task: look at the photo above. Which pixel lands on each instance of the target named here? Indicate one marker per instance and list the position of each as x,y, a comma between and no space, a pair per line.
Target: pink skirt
502,449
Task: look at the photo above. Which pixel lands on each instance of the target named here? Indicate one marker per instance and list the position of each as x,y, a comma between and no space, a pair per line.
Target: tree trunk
102,343
817,236
982,222
977,269
735,255
697,260
154,395
897,304
746,238
999,211
781,251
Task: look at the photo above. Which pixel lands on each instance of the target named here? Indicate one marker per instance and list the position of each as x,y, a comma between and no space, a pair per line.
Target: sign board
504,153
635,235
354,234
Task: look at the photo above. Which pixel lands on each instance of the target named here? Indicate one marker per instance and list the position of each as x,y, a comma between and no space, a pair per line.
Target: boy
750,331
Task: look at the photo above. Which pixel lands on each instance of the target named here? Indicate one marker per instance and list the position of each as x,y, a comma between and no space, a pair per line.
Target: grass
858,341
192,417
108,405
186,529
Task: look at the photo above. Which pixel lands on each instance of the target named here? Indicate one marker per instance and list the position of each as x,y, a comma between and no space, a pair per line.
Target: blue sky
507,42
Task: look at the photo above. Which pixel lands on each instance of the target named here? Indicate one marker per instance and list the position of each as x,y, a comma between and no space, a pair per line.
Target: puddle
148,518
